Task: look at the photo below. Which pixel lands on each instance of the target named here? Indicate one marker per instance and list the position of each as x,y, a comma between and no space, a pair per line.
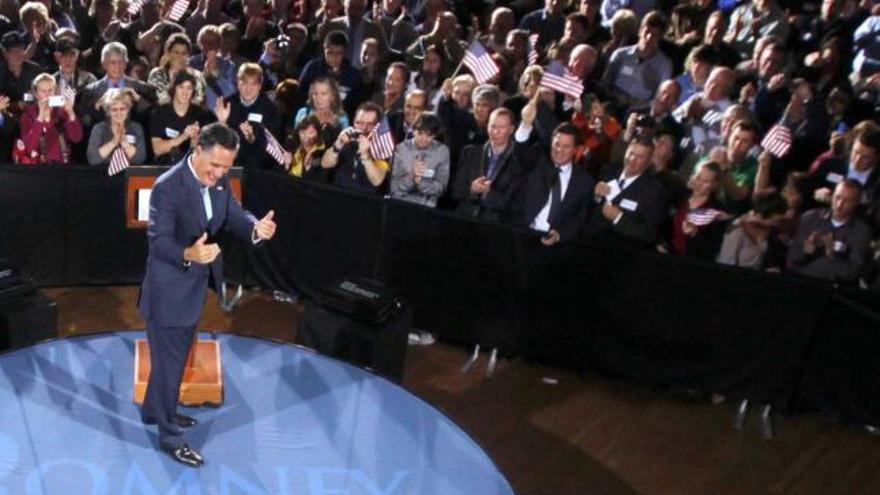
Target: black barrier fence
787,341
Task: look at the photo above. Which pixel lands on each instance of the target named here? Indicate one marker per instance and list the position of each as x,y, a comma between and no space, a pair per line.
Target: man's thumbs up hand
265,228
201,253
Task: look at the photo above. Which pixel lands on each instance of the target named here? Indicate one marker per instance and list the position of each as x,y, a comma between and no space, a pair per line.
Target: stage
292,422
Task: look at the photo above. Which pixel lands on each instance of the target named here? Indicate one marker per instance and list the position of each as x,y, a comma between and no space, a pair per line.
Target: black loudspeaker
26,317
340,326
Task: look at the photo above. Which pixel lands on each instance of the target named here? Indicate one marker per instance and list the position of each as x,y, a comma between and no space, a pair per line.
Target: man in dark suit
490,176
114,60
833,243
189,205
402,121
558,195
633,202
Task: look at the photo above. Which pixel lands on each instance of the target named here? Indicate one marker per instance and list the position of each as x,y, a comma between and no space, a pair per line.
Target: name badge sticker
130,138
627,70
172,133
834,178
256,118
628,204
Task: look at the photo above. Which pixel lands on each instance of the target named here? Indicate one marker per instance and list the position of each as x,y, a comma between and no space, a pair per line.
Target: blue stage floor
292,423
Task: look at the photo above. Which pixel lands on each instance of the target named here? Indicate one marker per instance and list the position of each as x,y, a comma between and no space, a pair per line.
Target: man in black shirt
355,166
17,74
251,113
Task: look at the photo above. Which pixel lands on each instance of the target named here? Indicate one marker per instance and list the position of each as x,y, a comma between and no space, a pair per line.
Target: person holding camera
351,157
48,125
420,171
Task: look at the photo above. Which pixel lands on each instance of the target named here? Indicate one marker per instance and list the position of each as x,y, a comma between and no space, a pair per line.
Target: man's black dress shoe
185,455
179,419
185,421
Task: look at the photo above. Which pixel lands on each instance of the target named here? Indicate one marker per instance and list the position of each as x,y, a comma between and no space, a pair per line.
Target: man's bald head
719,83
582,60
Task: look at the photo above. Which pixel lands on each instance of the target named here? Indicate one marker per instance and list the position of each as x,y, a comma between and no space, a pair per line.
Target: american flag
178,10
118,161
703,216
480,62
382,145
558,78
134,6
273,147
533,48
712,117
777,142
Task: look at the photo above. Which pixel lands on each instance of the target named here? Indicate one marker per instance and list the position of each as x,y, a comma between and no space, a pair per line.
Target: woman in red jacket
48,126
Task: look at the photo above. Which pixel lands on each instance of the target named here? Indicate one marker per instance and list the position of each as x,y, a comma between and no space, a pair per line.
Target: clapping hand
118,133
222,109
610,211
265,228
480,185
418,170
551,238
247,130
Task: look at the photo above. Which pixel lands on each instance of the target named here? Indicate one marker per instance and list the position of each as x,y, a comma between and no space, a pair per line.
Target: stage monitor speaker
26,317
359,321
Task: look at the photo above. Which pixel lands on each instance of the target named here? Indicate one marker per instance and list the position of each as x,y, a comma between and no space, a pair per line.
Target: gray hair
114,48
488,93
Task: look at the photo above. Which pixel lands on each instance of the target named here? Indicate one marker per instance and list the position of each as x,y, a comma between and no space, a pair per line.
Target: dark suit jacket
89,96
575,206
852,248
172,294
499,204
641,222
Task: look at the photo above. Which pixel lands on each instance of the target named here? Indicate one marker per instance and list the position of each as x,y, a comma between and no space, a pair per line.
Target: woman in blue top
325,103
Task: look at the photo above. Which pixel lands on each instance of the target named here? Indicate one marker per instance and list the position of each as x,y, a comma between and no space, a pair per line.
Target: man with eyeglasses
354,166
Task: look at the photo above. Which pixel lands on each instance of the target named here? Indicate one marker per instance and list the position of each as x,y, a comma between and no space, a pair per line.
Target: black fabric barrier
841,372
66,225
323,233
787,341
659,320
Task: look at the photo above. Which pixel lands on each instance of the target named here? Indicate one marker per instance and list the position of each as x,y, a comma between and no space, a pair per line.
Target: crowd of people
738,132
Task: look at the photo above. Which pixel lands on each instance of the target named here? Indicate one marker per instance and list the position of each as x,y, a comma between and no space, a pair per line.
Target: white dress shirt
541,221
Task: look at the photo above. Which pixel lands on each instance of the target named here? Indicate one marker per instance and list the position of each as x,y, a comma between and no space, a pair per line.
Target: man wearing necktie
189,205
490,178
631,200
558,194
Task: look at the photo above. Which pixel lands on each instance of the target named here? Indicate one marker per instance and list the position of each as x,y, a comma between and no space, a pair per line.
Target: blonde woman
49,124
117,131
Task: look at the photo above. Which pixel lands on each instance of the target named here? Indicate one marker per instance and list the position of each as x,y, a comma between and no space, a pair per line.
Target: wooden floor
581,436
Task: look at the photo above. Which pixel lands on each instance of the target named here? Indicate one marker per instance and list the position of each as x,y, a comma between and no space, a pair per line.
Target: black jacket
499,204
575,207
